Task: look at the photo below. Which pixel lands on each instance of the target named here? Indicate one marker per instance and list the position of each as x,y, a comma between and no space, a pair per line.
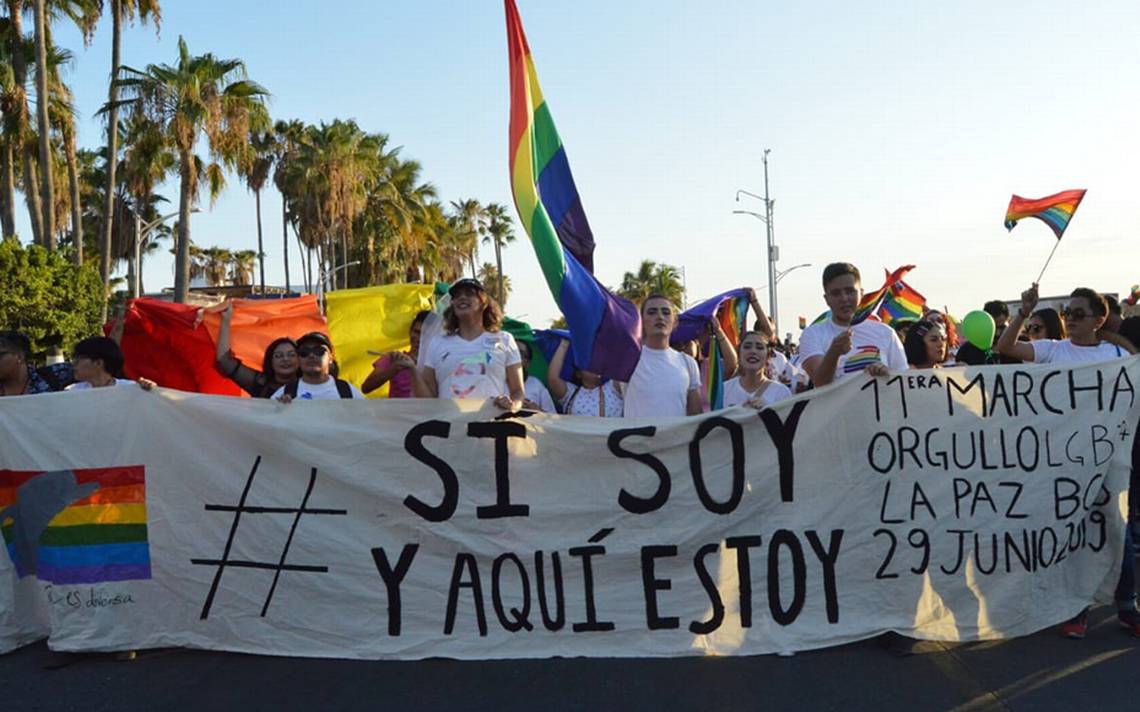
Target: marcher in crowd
665,383
279,366
752,385
17,374
925,345
98,363
836,348
316,381
395,367
537,395
1045,324
588,394
474,358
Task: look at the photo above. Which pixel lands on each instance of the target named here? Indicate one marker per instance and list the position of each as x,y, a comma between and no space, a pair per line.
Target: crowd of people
473,357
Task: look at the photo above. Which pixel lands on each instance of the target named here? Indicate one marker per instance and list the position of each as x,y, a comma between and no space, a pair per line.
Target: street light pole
326,277
773,251
141,232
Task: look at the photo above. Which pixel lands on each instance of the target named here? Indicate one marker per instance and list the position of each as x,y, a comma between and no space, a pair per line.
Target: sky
897,130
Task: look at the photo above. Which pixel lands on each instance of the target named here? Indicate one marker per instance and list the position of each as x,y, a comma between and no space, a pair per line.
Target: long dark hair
267,361
915,344
1054,327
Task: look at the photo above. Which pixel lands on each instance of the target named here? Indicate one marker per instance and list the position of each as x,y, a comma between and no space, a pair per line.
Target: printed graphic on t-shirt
861,358
466,376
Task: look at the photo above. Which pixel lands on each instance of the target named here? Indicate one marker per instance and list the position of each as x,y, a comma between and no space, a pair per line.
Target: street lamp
773,251
325,278
784,273
141,232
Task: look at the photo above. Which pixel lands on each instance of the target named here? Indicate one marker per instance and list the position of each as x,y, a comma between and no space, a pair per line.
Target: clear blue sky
898,129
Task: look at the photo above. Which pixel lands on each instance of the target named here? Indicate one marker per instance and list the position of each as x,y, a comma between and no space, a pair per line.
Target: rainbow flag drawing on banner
76,526
1055,210
606,329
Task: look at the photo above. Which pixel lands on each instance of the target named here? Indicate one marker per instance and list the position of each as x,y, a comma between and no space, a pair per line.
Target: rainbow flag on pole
551,212
730,309
1055,210
902,301
76,526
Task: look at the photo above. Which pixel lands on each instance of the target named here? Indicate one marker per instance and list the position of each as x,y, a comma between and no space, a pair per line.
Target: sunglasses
311,351
1034,328
1075,314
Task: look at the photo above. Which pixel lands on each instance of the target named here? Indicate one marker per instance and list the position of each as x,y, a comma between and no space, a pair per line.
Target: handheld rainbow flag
901,302
76,526
551,212
730,309
1055,210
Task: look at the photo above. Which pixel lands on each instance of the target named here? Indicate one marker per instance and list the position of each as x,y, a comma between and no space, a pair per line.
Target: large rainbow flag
1055,210
606,328
76,526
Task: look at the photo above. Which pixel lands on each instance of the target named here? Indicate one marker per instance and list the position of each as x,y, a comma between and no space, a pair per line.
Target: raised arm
728,357
763,323
1007,344
554,372
224,359
385,369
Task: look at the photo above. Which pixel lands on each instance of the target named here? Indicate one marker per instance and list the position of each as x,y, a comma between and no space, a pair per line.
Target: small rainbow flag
901,302
76,526
871,303
1055,210
730,310
605,328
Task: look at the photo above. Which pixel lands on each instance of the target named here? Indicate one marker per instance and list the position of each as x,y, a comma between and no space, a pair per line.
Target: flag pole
1050,259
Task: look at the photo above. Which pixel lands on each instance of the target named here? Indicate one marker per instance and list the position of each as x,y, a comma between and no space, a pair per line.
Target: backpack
342,388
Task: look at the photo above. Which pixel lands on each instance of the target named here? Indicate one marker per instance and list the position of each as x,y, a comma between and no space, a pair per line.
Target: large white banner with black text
958,504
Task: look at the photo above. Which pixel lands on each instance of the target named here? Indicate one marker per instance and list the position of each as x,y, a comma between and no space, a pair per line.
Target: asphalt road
1040,672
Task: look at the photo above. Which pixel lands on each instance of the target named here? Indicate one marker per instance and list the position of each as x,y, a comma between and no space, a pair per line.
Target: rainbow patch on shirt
861,358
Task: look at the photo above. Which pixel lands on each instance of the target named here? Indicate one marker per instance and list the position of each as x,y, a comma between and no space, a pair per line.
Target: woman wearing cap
474,358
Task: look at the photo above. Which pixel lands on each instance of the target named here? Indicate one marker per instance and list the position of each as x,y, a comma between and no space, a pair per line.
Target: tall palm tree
263,147
499,232
121,10
469,214
652,278
10,129
216,265
489,275
288,135
47,192
199,96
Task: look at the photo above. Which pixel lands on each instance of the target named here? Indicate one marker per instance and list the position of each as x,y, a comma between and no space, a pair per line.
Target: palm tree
241,266
263,146
469,214
489,276
498,232
289,135
47,193
200,95
652,278
10,129
120,10
216,265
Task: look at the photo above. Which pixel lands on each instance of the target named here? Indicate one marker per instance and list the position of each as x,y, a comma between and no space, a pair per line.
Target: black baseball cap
316,336
468,282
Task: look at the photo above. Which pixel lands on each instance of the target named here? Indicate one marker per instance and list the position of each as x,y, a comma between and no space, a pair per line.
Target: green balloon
978,328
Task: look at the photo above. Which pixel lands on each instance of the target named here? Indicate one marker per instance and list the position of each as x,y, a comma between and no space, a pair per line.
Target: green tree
489,276
652,278
263,148
498,231
121,10
201,95
469,216
52,300
241,266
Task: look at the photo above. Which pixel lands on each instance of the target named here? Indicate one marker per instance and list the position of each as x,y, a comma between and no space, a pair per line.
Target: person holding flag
847,342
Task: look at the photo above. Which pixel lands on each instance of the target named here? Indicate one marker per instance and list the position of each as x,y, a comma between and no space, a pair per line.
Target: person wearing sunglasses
1045,324
316,382
19,377
1084,316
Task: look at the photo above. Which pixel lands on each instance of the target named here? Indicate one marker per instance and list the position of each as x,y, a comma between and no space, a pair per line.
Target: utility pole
773,251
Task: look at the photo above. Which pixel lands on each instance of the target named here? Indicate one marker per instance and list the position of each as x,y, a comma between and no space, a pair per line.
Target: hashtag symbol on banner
243,508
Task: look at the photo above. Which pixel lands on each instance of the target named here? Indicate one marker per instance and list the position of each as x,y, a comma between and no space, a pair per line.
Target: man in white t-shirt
1084,317
537,395
666,382
836,348
316,381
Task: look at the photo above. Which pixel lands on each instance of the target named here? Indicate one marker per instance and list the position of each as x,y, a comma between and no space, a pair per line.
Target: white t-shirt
473,369
660,385
734,393
318,391
588,401
1055,351
536,391
871,342
85,386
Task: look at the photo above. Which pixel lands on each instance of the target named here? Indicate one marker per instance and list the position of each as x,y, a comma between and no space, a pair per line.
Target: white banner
961,504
